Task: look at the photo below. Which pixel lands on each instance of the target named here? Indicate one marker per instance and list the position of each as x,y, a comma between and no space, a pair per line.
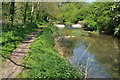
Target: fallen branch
15,62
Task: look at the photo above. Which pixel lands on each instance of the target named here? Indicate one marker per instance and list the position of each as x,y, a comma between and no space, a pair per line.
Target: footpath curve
10,69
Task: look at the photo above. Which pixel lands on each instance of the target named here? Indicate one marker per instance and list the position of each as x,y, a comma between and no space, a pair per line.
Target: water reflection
94,68
66,46
103,52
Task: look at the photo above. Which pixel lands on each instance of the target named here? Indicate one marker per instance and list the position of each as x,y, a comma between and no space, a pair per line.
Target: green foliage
117,30
10,39
99,16
68,23
102,18
71,10
40,23
32,12
44,59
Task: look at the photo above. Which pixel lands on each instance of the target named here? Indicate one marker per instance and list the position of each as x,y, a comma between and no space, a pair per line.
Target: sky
90,0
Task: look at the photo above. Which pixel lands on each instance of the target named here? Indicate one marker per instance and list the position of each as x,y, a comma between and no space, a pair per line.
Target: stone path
10,69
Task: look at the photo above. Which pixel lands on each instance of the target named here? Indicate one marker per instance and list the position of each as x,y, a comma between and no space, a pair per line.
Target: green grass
11,38
45,61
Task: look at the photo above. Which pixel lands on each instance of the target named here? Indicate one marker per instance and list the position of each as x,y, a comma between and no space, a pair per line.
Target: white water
73,26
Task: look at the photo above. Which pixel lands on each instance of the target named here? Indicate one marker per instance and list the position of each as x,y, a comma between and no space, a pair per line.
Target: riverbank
44,60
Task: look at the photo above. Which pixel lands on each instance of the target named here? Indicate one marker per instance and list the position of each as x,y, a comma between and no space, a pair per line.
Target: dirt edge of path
10,69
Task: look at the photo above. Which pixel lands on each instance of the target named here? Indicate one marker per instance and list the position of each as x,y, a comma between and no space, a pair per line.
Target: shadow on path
12,66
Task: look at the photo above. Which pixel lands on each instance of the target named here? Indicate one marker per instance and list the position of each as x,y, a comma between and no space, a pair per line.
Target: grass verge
45,61
11,38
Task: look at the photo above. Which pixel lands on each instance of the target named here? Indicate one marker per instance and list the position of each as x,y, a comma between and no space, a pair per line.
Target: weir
69,26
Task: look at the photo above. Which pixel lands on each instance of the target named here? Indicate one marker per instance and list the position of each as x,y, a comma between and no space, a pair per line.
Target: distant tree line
23,12
99,16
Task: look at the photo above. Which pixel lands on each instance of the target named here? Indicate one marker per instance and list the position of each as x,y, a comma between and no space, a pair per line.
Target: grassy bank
44,59
11,38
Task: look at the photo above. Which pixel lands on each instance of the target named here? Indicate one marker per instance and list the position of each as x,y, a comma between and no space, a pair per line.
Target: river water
96,54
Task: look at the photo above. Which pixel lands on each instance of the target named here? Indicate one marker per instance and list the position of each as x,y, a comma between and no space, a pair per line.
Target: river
96,54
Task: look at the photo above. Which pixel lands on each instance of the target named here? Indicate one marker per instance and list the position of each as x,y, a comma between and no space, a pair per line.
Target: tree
70,10
12,5
26,5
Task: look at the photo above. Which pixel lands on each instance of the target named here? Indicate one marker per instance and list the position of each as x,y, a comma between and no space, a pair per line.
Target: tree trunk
37,12
12,5
32,13
26,5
